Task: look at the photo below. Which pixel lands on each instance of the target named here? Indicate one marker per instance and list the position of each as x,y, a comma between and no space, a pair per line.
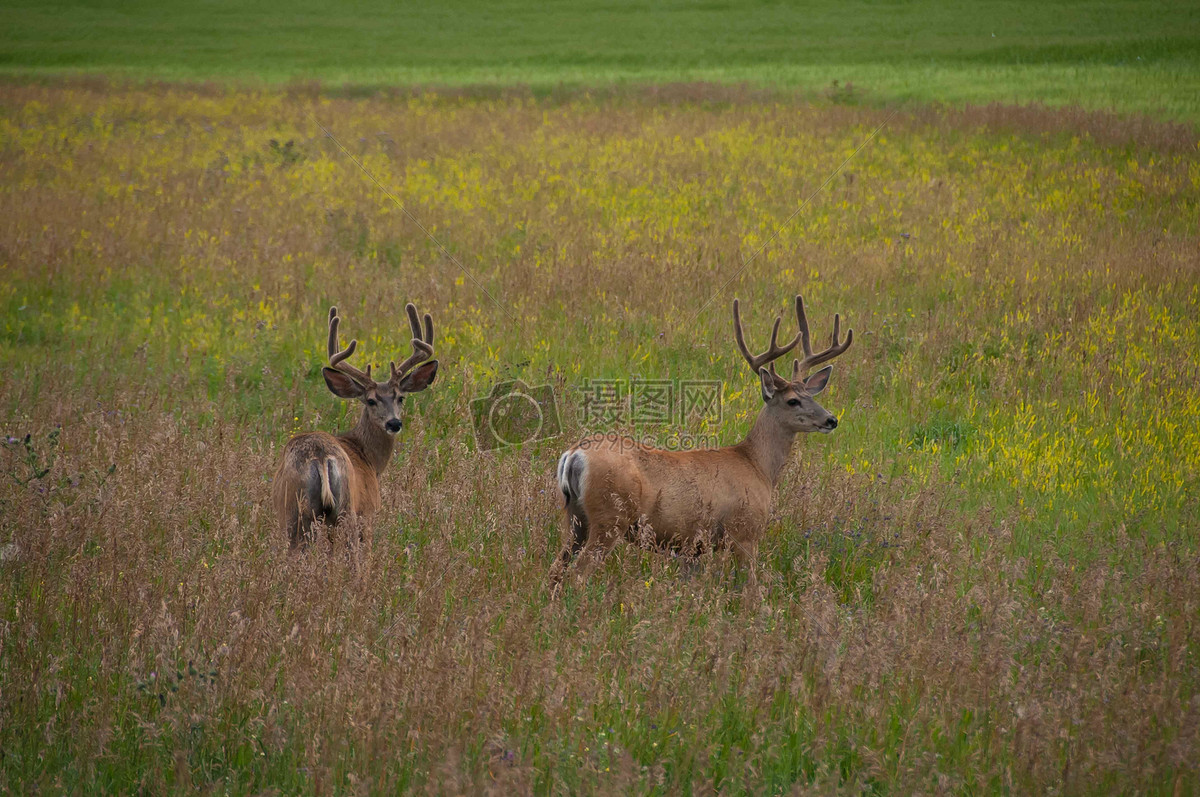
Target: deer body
330,478
615,488
323,477
680,498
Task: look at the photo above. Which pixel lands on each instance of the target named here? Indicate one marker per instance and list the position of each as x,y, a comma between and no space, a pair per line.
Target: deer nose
394,425
831,423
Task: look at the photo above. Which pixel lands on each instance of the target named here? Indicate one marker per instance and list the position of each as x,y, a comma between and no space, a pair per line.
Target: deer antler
422,342
835,348
337,359
774,351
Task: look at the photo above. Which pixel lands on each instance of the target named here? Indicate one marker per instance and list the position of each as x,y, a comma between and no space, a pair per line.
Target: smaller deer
328,478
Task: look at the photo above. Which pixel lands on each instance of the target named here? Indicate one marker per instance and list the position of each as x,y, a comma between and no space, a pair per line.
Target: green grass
1121,55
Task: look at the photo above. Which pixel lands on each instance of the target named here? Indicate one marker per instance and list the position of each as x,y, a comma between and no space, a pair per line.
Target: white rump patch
572,469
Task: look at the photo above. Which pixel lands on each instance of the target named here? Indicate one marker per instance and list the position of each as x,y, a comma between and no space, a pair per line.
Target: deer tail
572,469
327,499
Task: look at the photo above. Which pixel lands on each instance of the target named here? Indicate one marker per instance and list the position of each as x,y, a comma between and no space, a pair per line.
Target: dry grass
984,581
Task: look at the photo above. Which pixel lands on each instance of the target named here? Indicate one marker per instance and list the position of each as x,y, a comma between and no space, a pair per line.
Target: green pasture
1123,55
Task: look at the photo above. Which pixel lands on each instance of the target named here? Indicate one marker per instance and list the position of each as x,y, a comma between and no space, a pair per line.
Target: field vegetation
984,580
1103,54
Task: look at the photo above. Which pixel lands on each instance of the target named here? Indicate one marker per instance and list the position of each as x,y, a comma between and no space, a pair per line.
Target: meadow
984,580
1123,55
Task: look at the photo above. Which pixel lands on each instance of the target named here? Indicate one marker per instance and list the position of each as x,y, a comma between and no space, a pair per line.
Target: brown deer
330,478
616,488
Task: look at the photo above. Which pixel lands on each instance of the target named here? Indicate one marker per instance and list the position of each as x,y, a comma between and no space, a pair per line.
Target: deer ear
419,379
817,382
341,385
768,383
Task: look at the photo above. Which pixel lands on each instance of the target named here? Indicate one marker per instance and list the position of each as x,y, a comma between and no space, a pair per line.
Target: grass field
985,580
1121,54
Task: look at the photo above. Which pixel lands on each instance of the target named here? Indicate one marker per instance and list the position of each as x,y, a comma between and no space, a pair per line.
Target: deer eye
371,402
793,402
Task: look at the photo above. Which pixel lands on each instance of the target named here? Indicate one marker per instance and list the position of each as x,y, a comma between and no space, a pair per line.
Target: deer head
382,401
792,401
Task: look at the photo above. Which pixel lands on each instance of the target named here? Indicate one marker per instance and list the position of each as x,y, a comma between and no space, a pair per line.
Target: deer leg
579,534
706,541
357,533
746,554
608,527
593,554
367,536
291,528
298,519
604,523
609,523
578,526
689,566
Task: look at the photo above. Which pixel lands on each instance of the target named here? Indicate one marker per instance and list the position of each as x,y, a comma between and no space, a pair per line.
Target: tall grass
984,580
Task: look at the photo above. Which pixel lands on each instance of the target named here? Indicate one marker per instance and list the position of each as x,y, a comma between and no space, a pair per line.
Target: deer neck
372,442
769,444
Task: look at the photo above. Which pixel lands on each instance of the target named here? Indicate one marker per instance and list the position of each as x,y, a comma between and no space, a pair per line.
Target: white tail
327,500
572,473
